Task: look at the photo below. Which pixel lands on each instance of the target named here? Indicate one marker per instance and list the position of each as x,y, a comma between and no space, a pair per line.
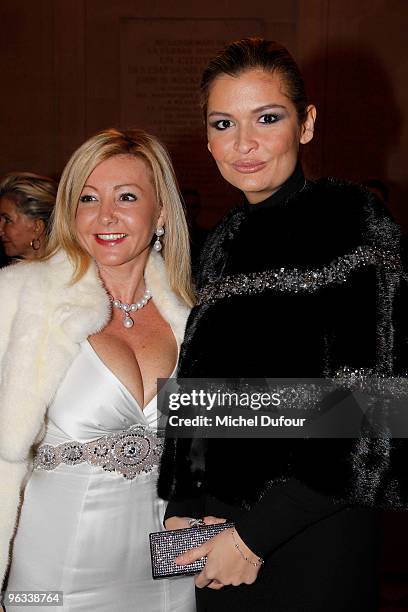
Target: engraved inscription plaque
161,64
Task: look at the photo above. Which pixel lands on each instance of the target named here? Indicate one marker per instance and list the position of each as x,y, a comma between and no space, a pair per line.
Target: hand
181,522
225,564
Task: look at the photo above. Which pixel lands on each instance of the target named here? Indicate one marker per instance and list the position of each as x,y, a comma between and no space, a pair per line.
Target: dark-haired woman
305,536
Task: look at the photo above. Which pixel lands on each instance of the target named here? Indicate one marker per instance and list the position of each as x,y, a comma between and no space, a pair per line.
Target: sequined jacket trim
296,281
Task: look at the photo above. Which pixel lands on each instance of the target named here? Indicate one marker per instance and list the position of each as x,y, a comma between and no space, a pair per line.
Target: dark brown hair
252,53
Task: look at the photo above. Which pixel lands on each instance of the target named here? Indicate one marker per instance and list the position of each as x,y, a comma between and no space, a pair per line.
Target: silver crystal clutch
165,546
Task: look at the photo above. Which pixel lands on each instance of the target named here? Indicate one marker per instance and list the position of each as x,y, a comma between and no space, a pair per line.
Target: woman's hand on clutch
226,564
181,522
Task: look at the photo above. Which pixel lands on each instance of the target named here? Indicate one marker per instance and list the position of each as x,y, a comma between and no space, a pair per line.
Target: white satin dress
84,530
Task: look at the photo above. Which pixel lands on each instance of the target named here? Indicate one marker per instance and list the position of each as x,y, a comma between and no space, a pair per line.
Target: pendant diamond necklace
131,308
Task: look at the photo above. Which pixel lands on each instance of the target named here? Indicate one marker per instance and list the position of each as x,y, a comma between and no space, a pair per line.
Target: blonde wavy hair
102,146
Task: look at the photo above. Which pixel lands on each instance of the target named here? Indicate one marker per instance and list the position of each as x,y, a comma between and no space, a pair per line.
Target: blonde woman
26,204
88,331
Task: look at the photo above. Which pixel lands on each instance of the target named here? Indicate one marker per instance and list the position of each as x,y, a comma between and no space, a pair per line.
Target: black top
293,184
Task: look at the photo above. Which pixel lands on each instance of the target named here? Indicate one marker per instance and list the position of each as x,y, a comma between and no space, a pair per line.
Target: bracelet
196,522
247,559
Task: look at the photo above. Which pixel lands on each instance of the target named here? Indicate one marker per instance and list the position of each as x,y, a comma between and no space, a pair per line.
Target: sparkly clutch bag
165,546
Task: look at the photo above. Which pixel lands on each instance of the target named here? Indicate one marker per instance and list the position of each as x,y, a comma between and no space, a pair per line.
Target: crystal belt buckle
128,452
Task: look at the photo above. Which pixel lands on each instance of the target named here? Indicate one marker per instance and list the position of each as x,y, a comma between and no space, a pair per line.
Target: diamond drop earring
158,245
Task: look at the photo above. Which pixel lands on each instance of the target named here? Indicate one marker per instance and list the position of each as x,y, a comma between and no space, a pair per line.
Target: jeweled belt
128,452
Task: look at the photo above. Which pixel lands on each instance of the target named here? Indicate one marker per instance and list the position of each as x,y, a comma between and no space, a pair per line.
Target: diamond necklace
128,308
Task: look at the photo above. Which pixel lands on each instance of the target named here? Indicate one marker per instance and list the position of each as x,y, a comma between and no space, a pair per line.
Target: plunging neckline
130,396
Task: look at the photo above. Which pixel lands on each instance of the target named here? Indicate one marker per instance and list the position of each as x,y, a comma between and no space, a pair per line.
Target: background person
26,205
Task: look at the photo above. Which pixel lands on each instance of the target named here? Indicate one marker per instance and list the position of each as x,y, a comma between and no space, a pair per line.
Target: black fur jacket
329,300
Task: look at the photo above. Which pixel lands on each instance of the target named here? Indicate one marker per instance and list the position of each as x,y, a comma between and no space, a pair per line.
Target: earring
158,245
35,244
